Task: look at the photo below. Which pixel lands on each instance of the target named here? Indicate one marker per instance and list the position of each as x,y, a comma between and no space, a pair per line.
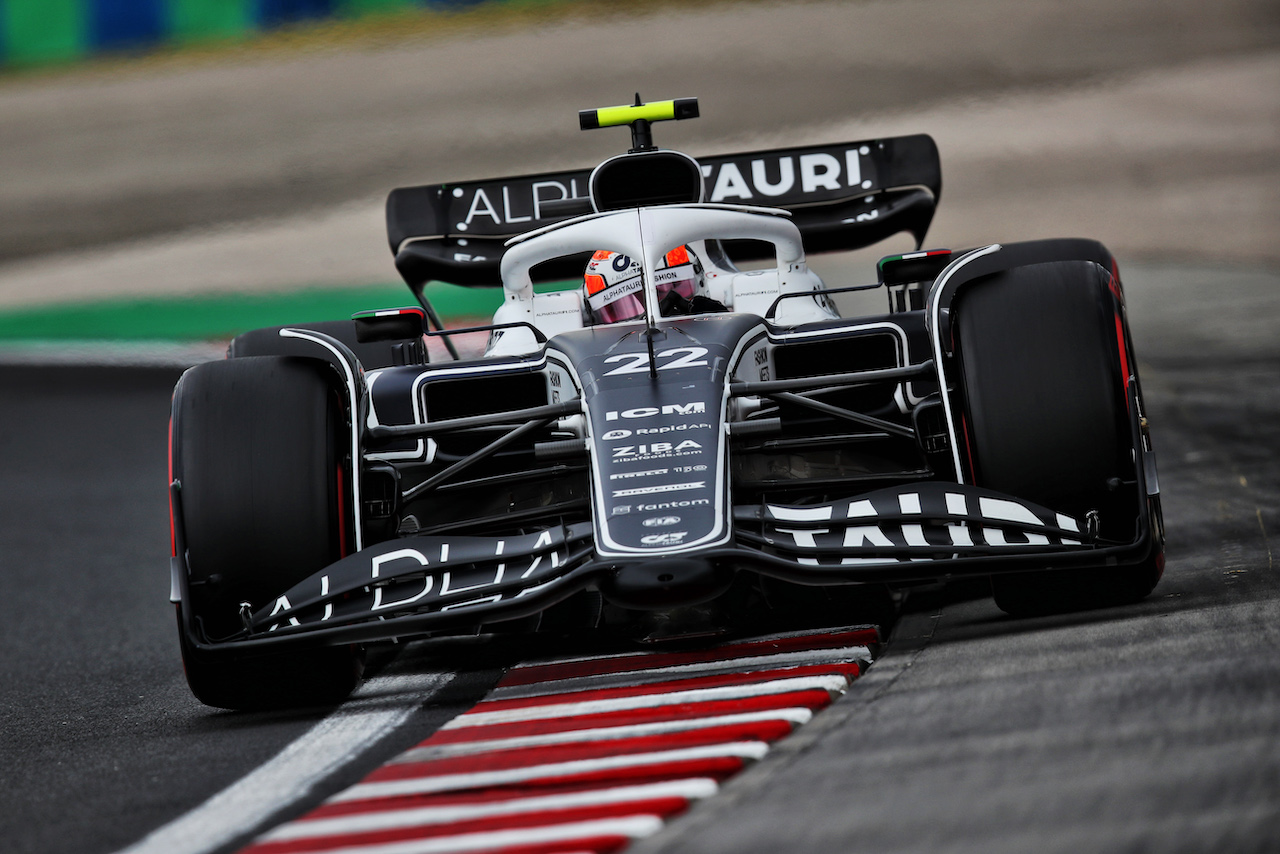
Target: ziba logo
623,452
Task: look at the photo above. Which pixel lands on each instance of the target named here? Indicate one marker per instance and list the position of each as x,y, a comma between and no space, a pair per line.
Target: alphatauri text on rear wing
842,196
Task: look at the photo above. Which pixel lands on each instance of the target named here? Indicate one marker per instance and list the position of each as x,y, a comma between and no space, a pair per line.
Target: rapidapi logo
654,431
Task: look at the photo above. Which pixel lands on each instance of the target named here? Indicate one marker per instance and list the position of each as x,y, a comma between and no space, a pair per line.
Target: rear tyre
1046,419
256,449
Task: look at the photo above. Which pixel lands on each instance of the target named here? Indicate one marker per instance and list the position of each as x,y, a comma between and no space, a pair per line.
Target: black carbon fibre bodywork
667,468
660,461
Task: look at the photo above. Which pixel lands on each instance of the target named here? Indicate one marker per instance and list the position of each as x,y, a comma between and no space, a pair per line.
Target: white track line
832,684
796,717
746,750
777,661
690,789
290,776
727,648
633,827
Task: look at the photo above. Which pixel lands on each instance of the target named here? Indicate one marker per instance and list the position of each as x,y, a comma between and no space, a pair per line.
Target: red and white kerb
585,755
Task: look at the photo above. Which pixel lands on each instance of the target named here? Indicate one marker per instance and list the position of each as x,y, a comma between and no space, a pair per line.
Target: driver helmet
614,283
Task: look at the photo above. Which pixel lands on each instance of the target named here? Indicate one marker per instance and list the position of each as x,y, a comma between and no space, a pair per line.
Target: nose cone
666,583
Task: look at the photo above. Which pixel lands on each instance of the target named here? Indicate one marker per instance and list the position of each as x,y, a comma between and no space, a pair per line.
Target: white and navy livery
331,487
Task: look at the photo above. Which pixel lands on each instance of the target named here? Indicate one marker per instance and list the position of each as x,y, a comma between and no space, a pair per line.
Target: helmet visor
682,280
628,307
614,303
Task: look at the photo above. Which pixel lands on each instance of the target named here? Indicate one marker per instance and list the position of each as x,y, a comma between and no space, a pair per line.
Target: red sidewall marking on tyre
551,763
341,487
1124,357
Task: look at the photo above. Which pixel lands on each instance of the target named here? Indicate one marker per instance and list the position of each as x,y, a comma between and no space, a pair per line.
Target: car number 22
676,357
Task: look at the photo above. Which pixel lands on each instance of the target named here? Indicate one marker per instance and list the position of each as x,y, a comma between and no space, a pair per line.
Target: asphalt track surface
1150,727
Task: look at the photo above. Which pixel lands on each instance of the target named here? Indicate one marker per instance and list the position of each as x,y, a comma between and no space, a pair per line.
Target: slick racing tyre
1046,419
257,453
371,354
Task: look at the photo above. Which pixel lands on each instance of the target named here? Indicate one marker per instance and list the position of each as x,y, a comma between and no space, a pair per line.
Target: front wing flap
921,521
419,584
439,573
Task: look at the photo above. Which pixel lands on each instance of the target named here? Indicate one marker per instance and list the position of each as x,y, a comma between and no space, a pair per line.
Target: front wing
423,585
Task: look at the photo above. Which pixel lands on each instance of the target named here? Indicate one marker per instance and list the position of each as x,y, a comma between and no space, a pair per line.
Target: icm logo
661,521
696,408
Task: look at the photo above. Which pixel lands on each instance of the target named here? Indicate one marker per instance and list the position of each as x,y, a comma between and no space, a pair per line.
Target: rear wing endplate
843,196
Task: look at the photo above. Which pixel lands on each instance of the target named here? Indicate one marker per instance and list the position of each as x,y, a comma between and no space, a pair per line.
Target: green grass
214,317
393,26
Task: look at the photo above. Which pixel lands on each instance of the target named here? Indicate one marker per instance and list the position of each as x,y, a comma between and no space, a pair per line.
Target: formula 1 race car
689,427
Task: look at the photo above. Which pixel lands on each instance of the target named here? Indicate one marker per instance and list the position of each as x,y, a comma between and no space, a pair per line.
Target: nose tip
666,583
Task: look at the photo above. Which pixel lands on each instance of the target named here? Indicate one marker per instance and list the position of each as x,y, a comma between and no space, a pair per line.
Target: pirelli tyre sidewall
1045,418
256,450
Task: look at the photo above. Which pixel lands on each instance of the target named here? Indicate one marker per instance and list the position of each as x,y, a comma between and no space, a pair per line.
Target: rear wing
841,197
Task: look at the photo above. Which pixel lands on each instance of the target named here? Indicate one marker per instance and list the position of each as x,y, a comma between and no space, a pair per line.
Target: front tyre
256,451
1047,419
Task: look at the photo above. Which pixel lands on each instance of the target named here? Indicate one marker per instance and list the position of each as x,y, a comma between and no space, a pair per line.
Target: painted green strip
226,315
38,31
193,21
355,8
